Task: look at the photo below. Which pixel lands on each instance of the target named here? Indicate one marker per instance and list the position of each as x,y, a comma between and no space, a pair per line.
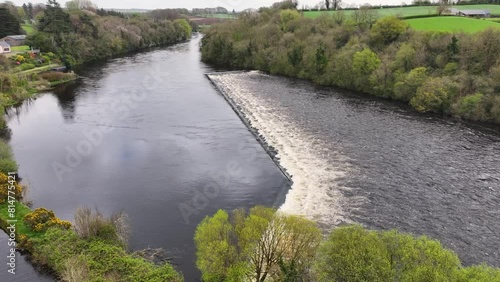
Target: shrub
54,76
433,96
8,165
354,254
4,189
93,224
41,219
25,67
77,259
470,106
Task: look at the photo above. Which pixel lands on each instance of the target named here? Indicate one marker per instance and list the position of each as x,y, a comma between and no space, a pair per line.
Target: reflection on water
356,159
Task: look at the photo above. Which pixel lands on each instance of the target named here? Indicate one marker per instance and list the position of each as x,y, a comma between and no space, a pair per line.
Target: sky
238,5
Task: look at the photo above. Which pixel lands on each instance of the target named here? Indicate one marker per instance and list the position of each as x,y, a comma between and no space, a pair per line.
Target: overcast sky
229,4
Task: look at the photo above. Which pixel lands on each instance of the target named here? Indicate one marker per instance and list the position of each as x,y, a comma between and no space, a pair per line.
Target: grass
21,227
39,69
410,11
28,28
20,48
451,24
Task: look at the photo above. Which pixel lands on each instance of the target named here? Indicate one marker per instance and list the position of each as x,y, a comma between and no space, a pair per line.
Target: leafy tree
55,20
287,16
9,25
259,245
184,28
470,106
355,254
387,30
433,96
407,87
365,62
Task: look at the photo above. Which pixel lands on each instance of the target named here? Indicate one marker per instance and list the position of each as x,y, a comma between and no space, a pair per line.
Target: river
171,152
150,135
371,161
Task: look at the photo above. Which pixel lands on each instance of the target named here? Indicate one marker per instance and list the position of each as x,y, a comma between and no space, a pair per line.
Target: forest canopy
451,73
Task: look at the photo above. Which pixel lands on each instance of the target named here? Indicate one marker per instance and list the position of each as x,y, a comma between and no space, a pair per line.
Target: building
15,40
452,12
4,47
475,13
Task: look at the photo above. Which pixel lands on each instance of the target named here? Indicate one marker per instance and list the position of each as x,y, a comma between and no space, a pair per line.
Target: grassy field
451,24
411,11
28,28
20,48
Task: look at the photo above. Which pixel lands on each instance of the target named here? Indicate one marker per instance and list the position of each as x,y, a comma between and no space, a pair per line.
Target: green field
28,28
451,24
411,11
20,48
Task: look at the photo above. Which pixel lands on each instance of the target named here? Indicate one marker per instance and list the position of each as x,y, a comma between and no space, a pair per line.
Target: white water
316,192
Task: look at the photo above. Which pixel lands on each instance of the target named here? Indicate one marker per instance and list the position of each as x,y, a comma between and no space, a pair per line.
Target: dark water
147,134
24,270
356,159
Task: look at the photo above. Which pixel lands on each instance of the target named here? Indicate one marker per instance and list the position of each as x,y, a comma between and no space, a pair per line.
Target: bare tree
336,4
444,6
327,4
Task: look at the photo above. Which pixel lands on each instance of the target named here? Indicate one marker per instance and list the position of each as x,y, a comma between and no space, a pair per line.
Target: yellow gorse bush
4,189
41,219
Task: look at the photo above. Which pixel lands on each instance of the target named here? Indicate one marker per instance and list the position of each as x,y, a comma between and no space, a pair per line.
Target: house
4,47
475,13
15,40
452,12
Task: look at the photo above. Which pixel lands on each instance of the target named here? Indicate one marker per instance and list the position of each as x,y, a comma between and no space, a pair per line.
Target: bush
54,76
5,150
355,254
25,67
471,106
89,224
95,260
41,219
8,165
433,96
5,188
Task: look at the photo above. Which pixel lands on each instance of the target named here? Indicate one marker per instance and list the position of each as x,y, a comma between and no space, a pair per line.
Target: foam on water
316,192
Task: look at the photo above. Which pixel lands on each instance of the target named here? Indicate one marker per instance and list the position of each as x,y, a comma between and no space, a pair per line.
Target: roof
475,12
4,44
16,37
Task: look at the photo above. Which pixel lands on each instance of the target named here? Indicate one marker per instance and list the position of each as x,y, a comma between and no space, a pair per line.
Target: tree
257,245
9,25
443,7
387,30
355,254
55,20
287,16
327,4
336,4
433,96
183,28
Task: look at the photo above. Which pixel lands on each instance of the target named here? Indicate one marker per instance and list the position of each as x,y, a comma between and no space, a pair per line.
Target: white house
4,47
